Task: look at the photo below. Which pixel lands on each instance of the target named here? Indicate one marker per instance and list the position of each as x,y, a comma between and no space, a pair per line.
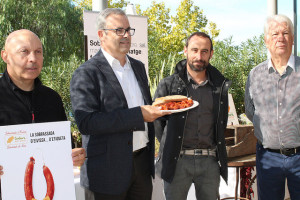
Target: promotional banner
37,162
139,41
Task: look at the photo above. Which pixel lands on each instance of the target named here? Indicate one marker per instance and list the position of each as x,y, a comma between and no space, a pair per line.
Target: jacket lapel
108,72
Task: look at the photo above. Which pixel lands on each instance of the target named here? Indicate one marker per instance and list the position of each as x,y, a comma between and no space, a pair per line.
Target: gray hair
101,19
278,18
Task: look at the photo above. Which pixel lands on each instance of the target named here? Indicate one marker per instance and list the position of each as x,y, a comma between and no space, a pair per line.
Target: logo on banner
17,139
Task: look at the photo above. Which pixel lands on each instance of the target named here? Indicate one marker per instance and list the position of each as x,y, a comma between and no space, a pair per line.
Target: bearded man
192,143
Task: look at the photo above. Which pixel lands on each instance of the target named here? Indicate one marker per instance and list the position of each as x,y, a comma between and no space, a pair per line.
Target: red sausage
28,179
49,181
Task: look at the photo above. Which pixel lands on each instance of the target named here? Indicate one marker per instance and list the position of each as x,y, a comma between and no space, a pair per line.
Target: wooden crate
240,140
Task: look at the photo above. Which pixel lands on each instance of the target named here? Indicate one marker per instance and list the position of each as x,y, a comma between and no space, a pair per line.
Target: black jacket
169,130
15,109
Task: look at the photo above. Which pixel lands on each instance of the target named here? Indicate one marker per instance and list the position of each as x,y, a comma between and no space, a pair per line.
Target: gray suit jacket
106,124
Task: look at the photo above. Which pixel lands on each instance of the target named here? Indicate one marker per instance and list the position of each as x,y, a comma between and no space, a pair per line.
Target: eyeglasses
122,31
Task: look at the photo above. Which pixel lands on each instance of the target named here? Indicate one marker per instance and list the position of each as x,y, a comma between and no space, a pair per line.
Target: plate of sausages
175,103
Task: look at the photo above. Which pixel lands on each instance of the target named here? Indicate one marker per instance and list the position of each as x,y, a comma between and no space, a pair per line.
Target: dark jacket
107,124
46,104
169,131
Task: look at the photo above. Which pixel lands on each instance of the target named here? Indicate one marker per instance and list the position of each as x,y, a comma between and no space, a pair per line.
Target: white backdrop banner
139,41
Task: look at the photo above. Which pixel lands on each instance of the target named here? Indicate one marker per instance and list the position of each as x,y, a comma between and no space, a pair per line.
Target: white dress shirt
132,92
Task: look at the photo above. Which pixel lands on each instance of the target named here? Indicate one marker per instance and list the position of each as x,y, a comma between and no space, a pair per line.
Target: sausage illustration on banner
50,183
28,181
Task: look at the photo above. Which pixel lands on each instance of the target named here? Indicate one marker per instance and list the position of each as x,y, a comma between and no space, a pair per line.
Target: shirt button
280,104
175,158
221,122
279,117
179,137
280,90
280,131
182,117
221,102
220,142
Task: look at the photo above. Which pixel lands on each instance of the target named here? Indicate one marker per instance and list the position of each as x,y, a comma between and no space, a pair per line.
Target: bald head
23,54
20,34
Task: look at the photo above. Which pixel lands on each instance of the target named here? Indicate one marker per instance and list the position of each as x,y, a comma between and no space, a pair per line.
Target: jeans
203,171
272,170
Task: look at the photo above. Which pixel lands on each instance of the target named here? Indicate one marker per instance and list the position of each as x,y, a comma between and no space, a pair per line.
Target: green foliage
189,19
166,69
167,34
235,63
87,4
117,4
83,4
57,75
2,66
56,22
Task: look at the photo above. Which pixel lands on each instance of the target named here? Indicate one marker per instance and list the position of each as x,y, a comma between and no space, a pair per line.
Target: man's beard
198,68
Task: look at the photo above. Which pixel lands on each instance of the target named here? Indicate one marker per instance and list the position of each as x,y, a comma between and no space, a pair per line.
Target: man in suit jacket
110,97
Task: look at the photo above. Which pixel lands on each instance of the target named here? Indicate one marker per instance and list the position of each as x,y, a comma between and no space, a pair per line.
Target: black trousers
140,187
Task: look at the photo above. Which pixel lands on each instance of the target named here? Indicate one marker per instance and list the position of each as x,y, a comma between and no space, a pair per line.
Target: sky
241,19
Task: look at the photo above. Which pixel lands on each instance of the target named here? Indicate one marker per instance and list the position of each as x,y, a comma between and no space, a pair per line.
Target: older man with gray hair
272,103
